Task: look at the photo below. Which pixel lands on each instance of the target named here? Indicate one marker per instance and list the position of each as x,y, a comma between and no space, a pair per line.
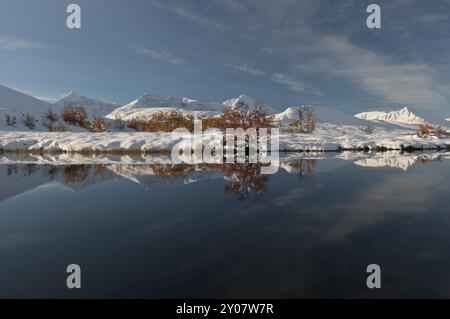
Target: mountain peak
93,106
401,116
404,110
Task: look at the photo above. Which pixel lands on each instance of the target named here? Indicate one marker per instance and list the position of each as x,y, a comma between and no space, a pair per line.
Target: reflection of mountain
23,173
403,162
19,178
150,176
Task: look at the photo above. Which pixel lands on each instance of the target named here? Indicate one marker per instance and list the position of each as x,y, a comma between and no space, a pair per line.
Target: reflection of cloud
164,225
405,193
17,240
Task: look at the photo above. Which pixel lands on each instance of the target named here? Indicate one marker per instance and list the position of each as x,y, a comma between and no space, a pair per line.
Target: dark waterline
177,231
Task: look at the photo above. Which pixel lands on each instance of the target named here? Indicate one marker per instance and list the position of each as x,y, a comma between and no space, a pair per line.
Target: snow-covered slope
17,104
92,106
151,103
321,114
402,116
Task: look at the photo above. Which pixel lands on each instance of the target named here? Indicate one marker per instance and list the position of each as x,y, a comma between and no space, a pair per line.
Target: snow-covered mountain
402,116
151,103
92,106
16,105
321,114
245,103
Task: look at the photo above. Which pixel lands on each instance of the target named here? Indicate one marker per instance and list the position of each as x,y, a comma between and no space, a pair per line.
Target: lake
144,230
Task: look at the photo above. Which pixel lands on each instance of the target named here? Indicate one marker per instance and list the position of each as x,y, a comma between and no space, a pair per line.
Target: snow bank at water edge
327,137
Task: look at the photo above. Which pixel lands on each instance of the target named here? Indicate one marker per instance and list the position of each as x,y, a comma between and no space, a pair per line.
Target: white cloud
13,43
294,85
402,83
159,55
185,13
385,78
246,69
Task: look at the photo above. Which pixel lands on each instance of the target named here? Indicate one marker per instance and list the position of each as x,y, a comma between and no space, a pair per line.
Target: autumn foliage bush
235,118
427,129
98,124
75,116
59,128
162,122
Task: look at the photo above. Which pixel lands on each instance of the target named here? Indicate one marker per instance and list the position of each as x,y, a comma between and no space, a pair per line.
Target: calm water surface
177,231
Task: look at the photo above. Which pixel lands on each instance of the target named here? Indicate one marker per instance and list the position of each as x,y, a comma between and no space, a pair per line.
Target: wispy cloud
14,43
185,13
159,55
294,85
246,69
379,75
394,81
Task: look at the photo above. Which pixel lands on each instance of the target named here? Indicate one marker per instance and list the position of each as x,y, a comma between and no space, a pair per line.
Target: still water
158,230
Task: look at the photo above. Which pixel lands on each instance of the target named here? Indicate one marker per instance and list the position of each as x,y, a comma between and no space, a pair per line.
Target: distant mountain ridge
321,114
151,103
93,106
17,104
402,116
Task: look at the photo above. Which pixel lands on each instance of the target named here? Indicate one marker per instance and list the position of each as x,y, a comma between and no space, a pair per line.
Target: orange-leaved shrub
235,118
162,122
98,124
76,116
427,129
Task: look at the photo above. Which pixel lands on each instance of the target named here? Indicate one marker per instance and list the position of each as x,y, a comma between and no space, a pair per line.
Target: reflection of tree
243,179
426,160
172,170
30,169
306,169
76,173
11,169
52,171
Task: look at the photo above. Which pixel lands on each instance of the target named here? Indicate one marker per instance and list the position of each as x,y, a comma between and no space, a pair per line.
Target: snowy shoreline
326,138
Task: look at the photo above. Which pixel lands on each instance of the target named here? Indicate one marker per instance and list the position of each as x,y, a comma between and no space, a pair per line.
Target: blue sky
284,52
